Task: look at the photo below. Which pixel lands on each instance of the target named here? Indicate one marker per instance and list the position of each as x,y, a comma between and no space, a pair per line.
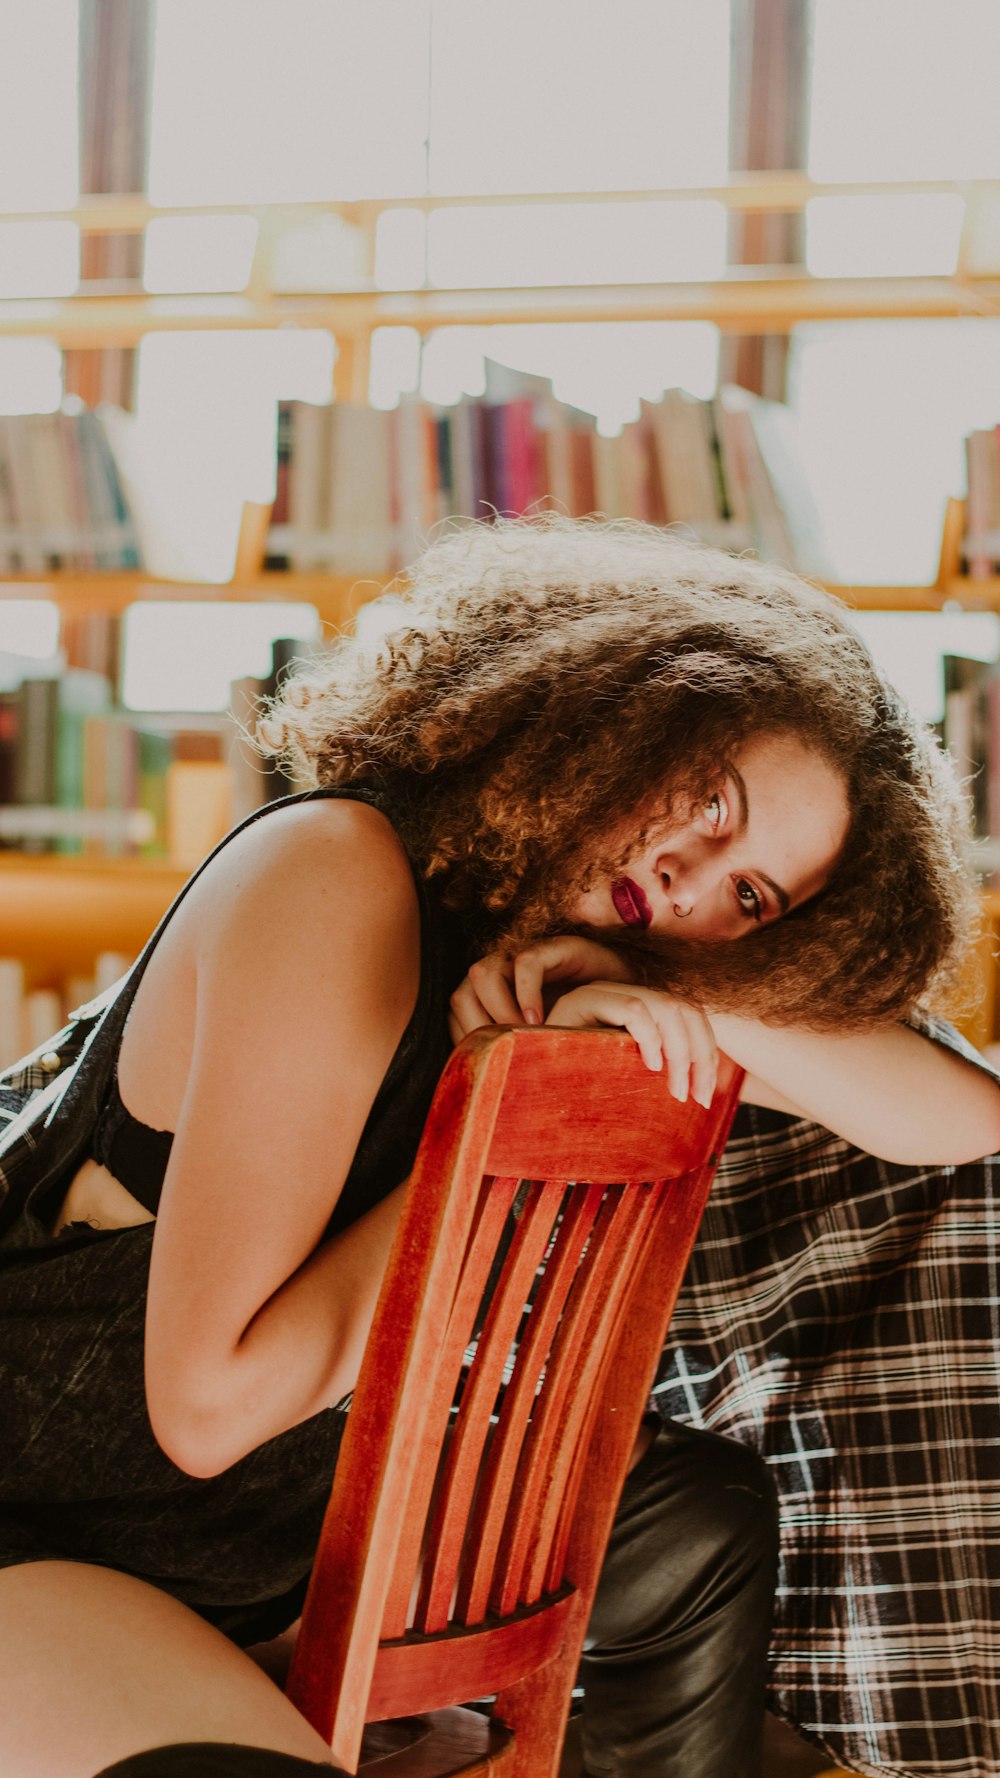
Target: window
898,93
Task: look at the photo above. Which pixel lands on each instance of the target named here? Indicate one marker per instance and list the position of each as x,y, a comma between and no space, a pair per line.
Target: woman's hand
504,990
667,1030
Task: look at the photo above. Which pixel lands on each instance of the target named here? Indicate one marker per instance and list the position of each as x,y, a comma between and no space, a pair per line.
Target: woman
582,726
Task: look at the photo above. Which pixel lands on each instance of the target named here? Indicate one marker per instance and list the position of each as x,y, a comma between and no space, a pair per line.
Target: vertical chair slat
489,1511
460,1470
554,1410
588,1359
597,1386
438,1388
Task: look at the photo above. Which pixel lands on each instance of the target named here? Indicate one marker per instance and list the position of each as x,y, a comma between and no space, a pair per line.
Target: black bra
135,1154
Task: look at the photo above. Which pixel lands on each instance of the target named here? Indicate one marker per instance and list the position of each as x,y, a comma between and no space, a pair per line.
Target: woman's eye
751,902
715,809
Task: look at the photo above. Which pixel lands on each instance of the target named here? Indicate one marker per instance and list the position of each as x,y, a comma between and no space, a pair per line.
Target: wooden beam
751,300
789,190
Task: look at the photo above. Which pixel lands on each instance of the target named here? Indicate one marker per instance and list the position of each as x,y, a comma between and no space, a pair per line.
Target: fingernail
532,1016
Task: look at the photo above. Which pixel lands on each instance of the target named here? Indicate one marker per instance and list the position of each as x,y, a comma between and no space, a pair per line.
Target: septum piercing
684,915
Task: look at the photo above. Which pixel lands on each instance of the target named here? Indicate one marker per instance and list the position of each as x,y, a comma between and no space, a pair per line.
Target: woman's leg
97,1668
674,1671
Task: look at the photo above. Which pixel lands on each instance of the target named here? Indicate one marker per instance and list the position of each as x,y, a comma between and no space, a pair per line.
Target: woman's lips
631,905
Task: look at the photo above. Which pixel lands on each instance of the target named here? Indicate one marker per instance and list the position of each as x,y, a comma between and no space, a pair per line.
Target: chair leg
537,1711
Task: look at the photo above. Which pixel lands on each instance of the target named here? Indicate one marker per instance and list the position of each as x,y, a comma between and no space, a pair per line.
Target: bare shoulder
311,871
310,918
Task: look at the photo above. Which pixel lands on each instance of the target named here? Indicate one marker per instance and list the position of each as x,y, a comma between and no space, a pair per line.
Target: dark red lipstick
631,905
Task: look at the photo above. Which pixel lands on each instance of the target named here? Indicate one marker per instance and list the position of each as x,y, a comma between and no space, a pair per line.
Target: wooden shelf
60,912
757,299
767,190
336,597
750,300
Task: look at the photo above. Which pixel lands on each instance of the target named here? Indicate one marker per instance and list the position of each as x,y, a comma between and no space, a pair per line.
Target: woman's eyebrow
781,895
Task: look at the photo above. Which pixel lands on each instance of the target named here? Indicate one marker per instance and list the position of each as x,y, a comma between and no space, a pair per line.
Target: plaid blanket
843,1315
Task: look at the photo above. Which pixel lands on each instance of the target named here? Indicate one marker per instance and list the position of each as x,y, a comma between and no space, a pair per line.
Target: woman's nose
689,882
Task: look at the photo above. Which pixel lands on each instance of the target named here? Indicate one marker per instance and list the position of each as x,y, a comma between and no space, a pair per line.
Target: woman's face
765,841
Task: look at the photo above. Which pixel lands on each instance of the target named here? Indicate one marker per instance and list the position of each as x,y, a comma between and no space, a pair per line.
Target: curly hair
549,673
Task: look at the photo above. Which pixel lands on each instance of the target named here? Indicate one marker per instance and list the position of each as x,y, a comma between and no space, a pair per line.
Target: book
358,535
307,484
11,1011
247,768
9,706
981,544
37,719
198,808
967,732
82,693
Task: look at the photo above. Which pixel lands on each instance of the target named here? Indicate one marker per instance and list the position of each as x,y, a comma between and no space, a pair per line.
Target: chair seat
437,1744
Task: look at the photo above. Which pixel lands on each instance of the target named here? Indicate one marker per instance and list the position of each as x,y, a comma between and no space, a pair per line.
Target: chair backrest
462,1544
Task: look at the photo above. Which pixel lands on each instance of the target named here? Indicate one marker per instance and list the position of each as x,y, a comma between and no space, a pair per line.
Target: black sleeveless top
81,1474
137,1155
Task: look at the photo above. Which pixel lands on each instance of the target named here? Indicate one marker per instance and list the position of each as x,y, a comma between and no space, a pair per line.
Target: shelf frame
755,299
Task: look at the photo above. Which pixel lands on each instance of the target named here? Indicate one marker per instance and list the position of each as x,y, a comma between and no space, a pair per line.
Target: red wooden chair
460,1552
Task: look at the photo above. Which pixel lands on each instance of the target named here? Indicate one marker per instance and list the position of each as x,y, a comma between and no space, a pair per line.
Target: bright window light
905,89
400,250
891,237
39,124
206,432
576,243
883,409
31,376
394,368
27,627
327,253
571,97
909,646
39,258
181,657
256,103
199,252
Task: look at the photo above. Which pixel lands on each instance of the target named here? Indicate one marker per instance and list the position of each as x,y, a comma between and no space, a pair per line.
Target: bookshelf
748,299
61,913
58,910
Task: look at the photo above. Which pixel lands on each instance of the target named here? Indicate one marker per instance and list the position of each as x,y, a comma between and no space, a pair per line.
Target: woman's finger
668,1017
599,1005
491,980
704,1054
466,1012
565,958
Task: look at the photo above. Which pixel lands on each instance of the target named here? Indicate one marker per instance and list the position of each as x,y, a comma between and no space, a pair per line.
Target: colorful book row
79,775
62,502
358,488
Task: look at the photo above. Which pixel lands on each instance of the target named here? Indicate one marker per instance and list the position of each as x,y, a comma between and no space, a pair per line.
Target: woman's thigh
95,1665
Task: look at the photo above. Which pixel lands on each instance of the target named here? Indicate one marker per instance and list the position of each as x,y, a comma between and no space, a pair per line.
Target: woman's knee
696,1530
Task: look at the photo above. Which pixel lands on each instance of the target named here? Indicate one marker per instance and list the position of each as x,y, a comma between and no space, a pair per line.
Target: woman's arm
307,974
891,1092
